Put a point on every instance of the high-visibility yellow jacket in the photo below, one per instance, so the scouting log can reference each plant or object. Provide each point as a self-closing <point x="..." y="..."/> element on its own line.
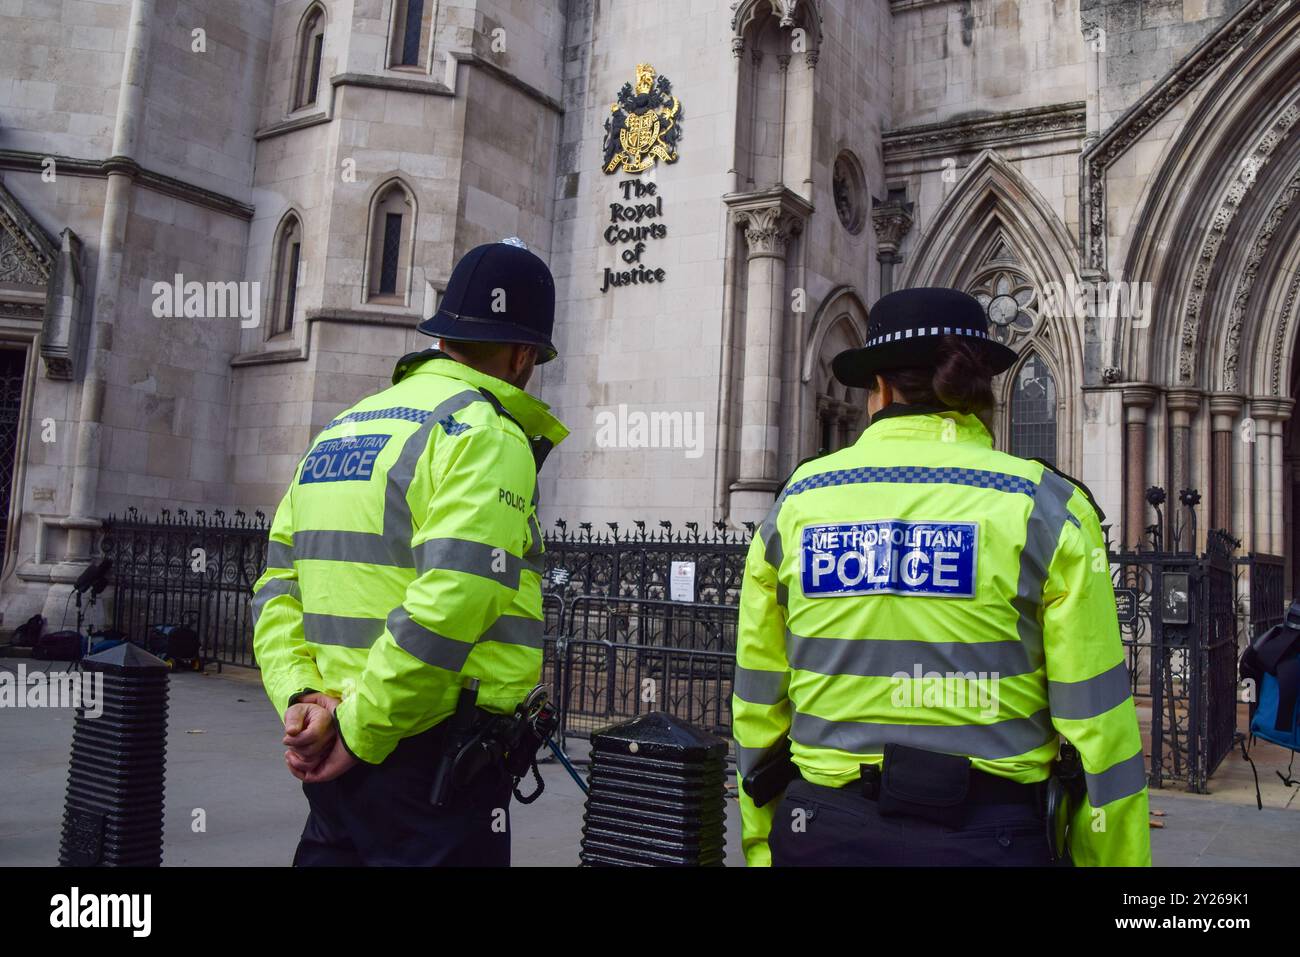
<point x="406" y="556"/>
<point x="923" y="589"/>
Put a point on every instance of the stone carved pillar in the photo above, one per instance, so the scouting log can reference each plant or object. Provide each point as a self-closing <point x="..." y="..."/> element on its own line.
<point x="771" y="219"/>
<point x="1278" y="490"/>
<point x="1138" y="400"/>
<point x="1224" y="410"/>
<point x="1268" y="413"/>
<point x="1183" y="405"/>
<point x="892" y="220"/>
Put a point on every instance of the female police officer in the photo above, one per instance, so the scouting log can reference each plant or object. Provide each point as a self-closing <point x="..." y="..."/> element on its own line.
<point x="922" y="619"/>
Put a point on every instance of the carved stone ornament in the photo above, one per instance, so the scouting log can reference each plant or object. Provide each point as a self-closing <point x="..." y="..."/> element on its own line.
<point x="33" y="261"/>
<point x="768" y="230"/>
<point x="1098" y="158"/>
<point x="21" y="261"/>
<point x="1246" y="282"/>
<point x="1283" y="335"/>
<point x="791" y="14"/>
<point x="892" y="220"/>
<point x="1224" y="214"/>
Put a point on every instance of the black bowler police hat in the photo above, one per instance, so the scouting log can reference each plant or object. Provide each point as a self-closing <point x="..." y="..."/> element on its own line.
<point x="904" y="329"/>
<point x="498" y="292"/>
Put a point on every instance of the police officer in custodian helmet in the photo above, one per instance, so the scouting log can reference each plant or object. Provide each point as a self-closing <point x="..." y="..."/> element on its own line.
<point x="927" y="627"/>
<point x="398" y="624"/>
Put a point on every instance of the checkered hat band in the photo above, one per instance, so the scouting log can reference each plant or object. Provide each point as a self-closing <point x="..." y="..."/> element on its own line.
<point x="927" y="331"/>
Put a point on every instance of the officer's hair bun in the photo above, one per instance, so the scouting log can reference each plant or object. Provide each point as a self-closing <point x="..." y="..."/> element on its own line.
<point x="961" y="379"/>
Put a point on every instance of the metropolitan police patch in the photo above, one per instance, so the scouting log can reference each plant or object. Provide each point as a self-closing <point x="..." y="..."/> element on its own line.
<point x="890" y="556"/>
<point x="350" y="459"/>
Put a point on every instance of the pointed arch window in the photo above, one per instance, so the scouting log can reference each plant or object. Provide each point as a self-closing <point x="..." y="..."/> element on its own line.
<point x="311" y="50"/>
<point x="839" y="418"/>
<point x="840" y="412"/>
<point x="286" y="270"/>
<point x="1033" y="410"/>
<point x="408" y="32"/>
<point x="392" y="230"/>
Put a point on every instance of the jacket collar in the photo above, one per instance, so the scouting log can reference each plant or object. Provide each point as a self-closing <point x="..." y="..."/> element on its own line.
<point x="919" y="420"/>
<point x="530" y="412"/>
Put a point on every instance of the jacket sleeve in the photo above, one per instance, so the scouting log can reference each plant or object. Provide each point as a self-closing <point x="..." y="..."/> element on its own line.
<point x="279" y="644"/>
<point x="760" y="707"/>
<point x="1090" y="697"/>
<point x="470" y="535"/>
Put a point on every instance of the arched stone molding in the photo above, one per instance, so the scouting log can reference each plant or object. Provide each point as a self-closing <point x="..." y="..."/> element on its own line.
<point x="1259" y="321"/>
<point x="1281" y="311"/>
<point x="991" y="189"/>
<point x="994" y="220"/>
<point x="842" y="303"/>
<point x="788" y="15"/>
<point x="777" y="43"/>
<point x="1209" y="174"/>
<point x="839" y="323"/>
<point x="1227" y="51"/>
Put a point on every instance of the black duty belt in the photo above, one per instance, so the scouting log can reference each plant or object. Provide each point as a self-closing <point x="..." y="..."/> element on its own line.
<point x="984" y="788"/>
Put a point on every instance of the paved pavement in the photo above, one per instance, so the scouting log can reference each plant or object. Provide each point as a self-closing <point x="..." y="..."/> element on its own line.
<point x="230" y="801"/>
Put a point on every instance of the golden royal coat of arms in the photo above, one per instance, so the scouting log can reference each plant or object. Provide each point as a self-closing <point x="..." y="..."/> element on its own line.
<point x="644" y="125"/>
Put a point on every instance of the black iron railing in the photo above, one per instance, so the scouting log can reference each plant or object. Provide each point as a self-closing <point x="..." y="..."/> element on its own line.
<point x="617" y="644"/>
<point x="1181" y="624"/>
<point x="1266" y="595"/>
<point x="637" y="562"/>
<point x="617" y="658"/>
<point x="194" y="569"/>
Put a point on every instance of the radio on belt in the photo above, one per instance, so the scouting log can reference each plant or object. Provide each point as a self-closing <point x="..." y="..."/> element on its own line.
<point x="890" y="556"/>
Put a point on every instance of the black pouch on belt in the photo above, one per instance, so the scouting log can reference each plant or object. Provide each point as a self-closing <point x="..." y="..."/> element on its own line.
<point x="924" y="784"/>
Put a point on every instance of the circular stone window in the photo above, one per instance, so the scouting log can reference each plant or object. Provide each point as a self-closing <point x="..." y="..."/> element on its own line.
<point x="849" y="190"/>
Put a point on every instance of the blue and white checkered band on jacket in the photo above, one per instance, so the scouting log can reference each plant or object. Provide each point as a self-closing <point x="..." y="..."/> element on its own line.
<point x="927" y="331"/>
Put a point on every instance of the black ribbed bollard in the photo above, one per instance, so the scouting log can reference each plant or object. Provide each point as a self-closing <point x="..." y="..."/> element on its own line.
<point x="114" y="811"/>
<point x="657" y="795"/>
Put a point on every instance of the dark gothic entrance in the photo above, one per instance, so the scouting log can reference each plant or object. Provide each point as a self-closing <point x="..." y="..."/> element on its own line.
<point x="13" y="364"/>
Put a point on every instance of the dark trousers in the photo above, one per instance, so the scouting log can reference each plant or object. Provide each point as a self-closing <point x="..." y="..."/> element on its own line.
<point x="821" y="826"/>
<point x="380" y="815"/>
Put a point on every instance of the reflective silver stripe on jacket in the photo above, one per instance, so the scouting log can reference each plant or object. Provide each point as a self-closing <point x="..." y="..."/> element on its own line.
<point x="278" y="554"/>
<point x="1117" y="781"/>
<point x="1077" y="700"/>
<point x="515" y="630"/>
<point x="1042" y="534"/>
<point x="761" y="687"/>
<point x="472" y="558"/>
<point x="534" y="557"/>
<point x="451" y="653"/>
<point x="771" y="536"/>
<point x="773" y="552"/>
<point x="748" y="758"/>
<point x="370" y="548"/>
<point x="884" y="658"/>
<point x="398" y="526"/>
<point x="1003" y="739"/>
<point x="274" y="588"/>
<point x="341" y="630"/>
<point x="428" y="646"/>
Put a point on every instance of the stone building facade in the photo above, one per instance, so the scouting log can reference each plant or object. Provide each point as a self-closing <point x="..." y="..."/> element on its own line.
<point x="220" y="223"/>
